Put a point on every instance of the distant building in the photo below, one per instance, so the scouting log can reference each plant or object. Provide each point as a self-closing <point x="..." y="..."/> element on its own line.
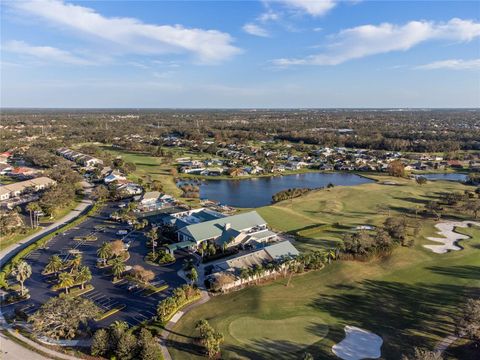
<point x="16" y="189"/>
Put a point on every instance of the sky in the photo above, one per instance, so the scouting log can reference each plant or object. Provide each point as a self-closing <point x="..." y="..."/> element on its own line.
<point x="240" y="54"/>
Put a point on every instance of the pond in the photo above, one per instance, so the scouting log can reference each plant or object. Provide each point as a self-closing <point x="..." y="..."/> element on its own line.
<point x="448" y="177"/>
<point x="249" y="193"/>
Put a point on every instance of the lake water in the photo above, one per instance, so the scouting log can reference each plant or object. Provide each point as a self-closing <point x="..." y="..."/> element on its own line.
<point x="257" y="192"/>
<point x="449" y="177"/>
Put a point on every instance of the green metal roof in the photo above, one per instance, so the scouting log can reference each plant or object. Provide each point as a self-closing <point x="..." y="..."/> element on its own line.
<point x="215" y="228"/>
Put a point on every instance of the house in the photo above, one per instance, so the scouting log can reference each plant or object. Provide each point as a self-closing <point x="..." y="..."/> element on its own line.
<point x="114" y="176"/>
<point x="231" y="230"/>
<point x="23" y="172"/>
<point x="16" y="189"/>
<point x="5" y="168"/>
<point x="130" y="189"/>
<point x="150" y="198"/>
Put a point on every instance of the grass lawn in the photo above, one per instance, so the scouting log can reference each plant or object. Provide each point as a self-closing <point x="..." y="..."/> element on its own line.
<point x="322" y="217"/>
<point x="409" y="299"/>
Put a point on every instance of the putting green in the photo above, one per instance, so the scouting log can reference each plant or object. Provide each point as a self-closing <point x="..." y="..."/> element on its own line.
<point x="302" y="331"/>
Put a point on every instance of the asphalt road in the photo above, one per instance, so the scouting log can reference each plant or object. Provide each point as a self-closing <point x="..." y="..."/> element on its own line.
<point x="106" y="294"/>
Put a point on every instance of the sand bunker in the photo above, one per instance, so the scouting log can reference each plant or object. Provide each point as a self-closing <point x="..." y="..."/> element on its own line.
<point x="358" y="344"/>
<point x="450" y="237"/>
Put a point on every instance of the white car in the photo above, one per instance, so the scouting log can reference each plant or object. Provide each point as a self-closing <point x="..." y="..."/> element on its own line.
<point x="122" y="232"/>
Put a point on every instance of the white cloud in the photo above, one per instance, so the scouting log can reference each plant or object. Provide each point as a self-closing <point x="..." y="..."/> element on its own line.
<point x="454" y="64"/>
<point x="132" y="35"/>
<point x="369" y="40"/>
<point x="46" y="53"/>
<point x="269" y="15"/>
<point x="256" y="30"/>
<point x="311" y="7"/>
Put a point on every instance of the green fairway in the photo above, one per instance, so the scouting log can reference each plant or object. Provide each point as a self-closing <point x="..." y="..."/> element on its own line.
<point x="409" y="299"/>
<point x="283" y="334"/>
<point x="320" y="218"/>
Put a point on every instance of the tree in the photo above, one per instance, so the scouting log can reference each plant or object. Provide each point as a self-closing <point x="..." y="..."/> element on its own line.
<point x="244" y="274"/>
<point x="54" y="265"/>
<point x="117" y="248"/>
<point x="149" y="349"/>
<point x="105" y="252"/>
<point x="152" y="234"/>
<point x="307" y="356"/>
<point x="65" y="281"/>
<point x="396" y="168"/>
<point x="83" y="276"/>
<point x="60" y="317"/>
<point x="473" y="205"/>
<point x="22" y="272"/>
<point x="118" y="268"/>
<point x="210" y="338"/>
<point x="193" y="275"/>
<point x="126" y="346"/>
<point x="421" y="180"/>
<point x="101" y="193"/>
<point x="75" y="263"/>
<point x="468" y="325"/>
<point x="33" y="208"/>
<point x="140" y="273"/>
<point x="422" y="354"/>
<point x="100" y="343"/>
<point x="117" y="328"/>
<point x="434" y="208"/>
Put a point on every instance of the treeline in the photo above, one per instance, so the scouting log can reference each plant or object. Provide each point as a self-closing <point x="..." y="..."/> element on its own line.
<point x="412" y="130"/>
<point x="294" y="193"/>
<point x="363" y="244"/>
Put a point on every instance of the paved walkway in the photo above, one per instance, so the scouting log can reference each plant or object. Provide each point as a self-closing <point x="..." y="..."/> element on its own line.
<point x="10" y="350"/>
<point x="166" y="332"/>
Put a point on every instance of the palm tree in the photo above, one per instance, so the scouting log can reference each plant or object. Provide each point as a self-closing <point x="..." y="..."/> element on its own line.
<point x="75" y="263"/>
<point x="54" y="265"/>
<point x="22" y="271"/>
<point x="244" y="275"/>
<point x="193" y="275"/>
<point x="118" y="267"/>
<point x="105" y="252"/>
<point x="188" y="264"/>
<point x="153" y="235"/>
<point x="33" y="208"/>
<point x="65" y="281"/>
<point x="83" y="275"/>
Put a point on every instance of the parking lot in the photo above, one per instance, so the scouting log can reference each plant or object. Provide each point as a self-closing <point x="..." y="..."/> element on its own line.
<point x="106" y="295"/>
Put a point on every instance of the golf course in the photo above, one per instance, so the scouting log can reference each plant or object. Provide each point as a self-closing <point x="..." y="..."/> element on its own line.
<point x="410" y="298"/>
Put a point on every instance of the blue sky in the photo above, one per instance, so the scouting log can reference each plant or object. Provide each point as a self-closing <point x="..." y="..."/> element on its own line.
<point x="201" y="54"/>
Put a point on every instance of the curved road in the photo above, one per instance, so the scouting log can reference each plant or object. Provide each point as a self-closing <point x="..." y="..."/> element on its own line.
<point x="9" y="349"/>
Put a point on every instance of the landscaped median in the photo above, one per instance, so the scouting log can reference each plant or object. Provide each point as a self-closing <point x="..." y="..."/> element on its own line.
<point x="110" y="312"/>
<point x="7" y="267"/>
<point x="150" y="290"/>
<point x="182" y="296"/>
